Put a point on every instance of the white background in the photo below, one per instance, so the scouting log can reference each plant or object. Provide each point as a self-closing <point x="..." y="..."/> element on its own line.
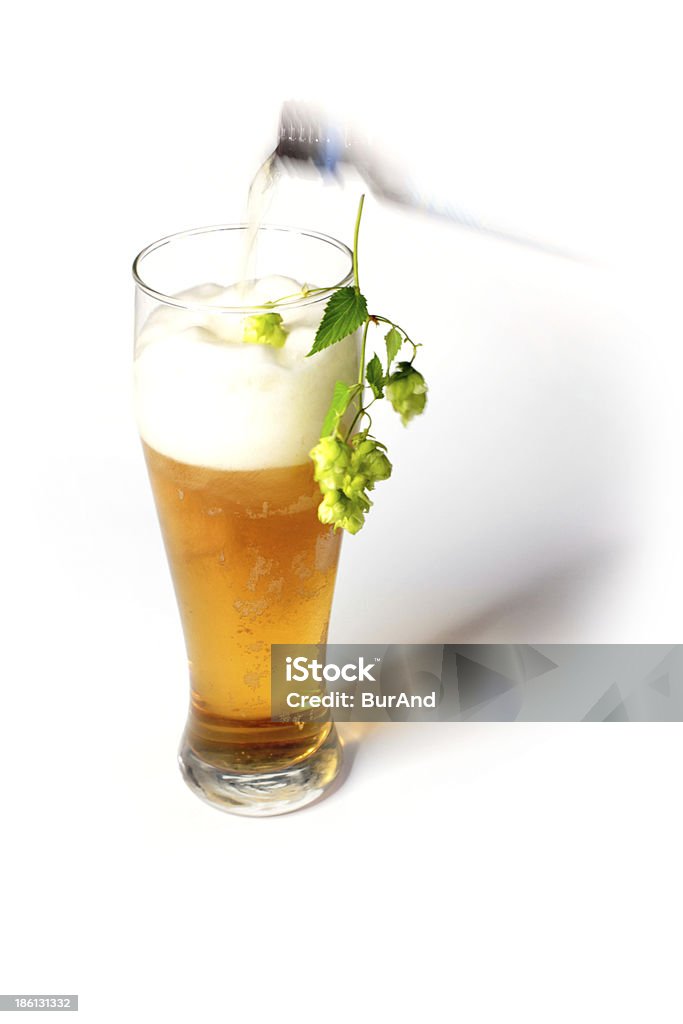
<point x="486" y="873"/>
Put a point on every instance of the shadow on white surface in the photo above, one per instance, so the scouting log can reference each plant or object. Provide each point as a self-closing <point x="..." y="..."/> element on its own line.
<point x="557" y="602"/>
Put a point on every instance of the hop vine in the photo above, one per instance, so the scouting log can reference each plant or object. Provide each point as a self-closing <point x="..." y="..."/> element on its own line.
<point x="348" y="460"/>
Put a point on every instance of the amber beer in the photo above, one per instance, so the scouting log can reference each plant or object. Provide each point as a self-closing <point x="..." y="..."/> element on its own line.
<point x="252" y="566"/>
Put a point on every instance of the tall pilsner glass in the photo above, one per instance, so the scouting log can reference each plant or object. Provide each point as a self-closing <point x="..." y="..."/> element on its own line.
<point x="226" y="426"/>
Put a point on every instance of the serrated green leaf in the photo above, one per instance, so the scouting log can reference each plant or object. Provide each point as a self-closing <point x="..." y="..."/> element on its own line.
<point x="375" y="376"/>
<point x="338" y="406"/>
<point x="345" y="311"/>
<point x="394" y="341"/>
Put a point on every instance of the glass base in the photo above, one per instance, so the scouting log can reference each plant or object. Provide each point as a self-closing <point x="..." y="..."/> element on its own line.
<point x="258" y="796"/>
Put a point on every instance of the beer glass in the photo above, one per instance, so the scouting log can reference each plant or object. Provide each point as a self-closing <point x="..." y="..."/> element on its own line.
<point x="226" y="427"/>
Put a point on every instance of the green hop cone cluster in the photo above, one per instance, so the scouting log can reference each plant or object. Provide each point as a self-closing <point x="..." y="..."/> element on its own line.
<point x="264" y="329"/>
<point x="345" y="472"/>
<point x="406" y="389"/>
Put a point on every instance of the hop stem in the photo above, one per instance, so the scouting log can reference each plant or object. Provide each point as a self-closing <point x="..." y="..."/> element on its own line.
<point x="355" y="243"/>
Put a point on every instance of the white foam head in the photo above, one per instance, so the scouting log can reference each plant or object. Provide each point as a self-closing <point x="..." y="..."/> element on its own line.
<point x="204" y="397"/>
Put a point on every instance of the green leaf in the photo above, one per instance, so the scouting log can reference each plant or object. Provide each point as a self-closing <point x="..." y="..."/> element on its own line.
<point x="345" y="311"/>
<point x="340" y="403"/>
<point x="394" y="341"/>
<point x="375" y="376"/>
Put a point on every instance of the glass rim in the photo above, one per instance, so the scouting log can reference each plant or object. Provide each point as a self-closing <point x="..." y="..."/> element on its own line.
<point x="172" y="300"/>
